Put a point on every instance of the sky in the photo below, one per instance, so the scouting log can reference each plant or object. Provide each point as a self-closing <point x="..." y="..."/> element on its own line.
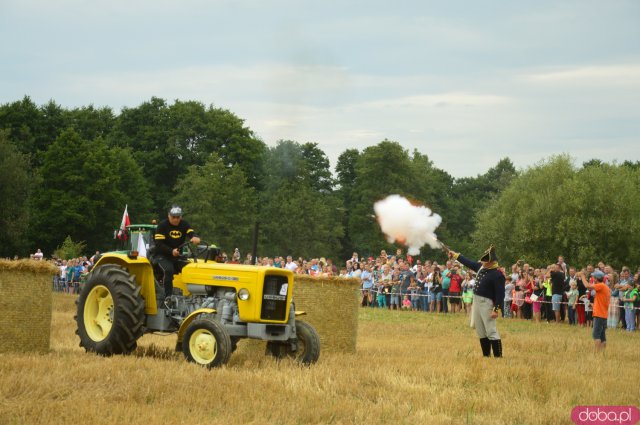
<point x="465" y="82"/>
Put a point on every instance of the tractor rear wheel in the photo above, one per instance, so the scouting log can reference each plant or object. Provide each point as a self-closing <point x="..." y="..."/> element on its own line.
<point x="110" y="311"/>
<point x="207" y="343"/>
<point x="308" y="345"/>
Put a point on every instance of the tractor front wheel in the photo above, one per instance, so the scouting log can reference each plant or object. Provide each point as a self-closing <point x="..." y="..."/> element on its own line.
<point x="110" y="311"/>
<point x="207" y="343"/>
<point x="308" y="345"/>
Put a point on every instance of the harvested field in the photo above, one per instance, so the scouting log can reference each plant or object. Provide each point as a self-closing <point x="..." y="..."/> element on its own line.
<point x="408" y="368"/>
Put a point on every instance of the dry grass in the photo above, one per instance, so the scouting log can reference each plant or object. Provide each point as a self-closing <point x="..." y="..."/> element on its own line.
<point x="25" y="319"/>
<point x="409" y="368"/>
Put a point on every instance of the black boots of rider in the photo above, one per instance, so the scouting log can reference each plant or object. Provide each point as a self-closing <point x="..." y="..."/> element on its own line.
<point x="489" y="344"/>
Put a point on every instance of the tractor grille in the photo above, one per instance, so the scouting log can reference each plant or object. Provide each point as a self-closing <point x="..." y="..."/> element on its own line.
<point x="274" y="298"/>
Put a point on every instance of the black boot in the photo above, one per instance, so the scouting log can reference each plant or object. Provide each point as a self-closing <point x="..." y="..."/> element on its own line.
<point x="496" y="344"/>
<point x="486" y="347"/>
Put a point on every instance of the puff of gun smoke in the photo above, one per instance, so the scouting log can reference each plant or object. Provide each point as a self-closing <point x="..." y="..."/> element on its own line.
<point x="411" y="225"/>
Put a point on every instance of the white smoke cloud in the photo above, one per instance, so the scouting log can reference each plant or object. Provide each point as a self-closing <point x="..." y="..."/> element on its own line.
<point x="410" y="225"/>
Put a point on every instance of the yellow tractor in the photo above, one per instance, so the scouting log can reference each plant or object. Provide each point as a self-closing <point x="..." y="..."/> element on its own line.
<point x="213" y="306"/>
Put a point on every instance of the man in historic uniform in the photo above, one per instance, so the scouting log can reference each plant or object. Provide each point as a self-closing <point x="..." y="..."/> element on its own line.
<point x="488" y="299"/>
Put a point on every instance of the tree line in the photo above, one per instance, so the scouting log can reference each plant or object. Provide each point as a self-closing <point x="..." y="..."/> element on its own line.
<point x="70" y="172"/>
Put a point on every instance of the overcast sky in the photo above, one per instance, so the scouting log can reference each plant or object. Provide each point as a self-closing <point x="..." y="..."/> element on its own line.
<point x="465" y="82"/>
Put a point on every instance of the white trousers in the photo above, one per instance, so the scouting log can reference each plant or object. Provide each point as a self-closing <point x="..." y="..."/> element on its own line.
<point x="481" y="318"/>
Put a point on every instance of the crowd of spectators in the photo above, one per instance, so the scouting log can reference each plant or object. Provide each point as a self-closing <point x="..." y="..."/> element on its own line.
<point x="553" y="293"/>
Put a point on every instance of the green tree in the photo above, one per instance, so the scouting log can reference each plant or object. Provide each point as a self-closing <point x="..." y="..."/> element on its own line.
<point x="219" y="203"/>
<point x="299" y="213"/>
<point x="345" y="180"/>
<point x="468" y="197"/>
<point x="82" y="192"/>
<point x="317" y="166"/>
<point x="554" y="209"/>
<point x="167" y="139"/>
<point x="24" y="122"/>
<point x="16" y="185"/>
<point x="432" y="187"/>
<point x="381" y="170"/>
<point x="70" y="249"/>
<point x="91" y="123"/>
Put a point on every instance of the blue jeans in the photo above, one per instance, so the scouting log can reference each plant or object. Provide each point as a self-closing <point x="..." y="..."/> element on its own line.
<point x="630" y="318"/>
<point x="600" y="329"/>
<point x="572" y="316"/>
<point x="445" y="300"/>
<point x="424" y="299"/>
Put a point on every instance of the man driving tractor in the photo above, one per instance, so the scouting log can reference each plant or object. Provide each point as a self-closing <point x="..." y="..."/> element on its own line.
<point x="170" y="234"/>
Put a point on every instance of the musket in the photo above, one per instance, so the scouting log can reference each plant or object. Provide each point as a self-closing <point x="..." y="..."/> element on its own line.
<point x="444" y="247"/>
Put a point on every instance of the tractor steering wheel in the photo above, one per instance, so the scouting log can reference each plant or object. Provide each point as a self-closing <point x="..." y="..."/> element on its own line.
<point x="193" y="253"/>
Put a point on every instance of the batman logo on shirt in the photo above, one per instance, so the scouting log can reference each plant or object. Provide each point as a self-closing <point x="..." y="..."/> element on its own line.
<point x="175" y="234"/>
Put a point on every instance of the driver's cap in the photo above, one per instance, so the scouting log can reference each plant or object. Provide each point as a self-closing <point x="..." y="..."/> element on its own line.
<point x="175" y="211"/>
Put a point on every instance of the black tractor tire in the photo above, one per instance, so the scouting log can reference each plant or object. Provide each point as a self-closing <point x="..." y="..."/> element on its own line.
<point x="234" y="343"/>
<point x="110" y="311"/>
<point x="207" y="343"/>
<point x="308" y="351"/>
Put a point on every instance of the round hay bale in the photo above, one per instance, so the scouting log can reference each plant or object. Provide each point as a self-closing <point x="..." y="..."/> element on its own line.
<point x="25" y="322"/>
<point x="331" y="305"/>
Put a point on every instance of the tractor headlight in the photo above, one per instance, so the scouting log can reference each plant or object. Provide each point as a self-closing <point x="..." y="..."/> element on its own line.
<point x="243" y="294"/>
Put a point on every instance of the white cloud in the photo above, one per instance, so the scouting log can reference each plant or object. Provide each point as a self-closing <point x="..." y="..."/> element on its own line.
<point x="452" y="99"/>
<point x="618" y="74"/>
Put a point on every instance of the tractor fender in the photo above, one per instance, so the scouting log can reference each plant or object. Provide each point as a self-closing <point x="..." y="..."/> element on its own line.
<point x="190" y="318"/>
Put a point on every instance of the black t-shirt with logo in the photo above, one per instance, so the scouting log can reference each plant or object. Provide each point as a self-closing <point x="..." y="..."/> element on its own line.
<point x="168" y="237"/>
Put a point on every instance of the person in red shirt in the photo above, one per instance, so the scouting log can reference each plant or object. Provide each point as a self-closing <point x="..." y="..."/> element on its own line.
<point x="600" y="309"/>
<point x="455" y="289"/>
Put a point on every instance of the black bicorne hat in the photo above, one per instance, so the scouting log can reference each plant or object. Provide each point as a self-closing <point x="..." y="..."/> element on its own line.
<point x="489" y="255"/>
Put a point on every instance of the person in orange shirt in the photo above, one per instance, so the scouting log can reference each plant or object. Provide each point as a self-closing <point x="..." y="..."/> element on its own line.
<point x="600" y="309"/>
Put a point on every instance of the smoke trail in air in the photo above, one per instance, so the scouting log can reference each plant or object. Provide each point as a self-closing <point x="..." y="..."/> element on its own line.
<point x="413" y="226"/>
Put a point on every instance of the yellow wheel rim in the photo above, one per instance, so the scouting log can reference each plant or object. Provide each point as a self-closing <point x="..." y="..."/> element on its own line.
<point x="98" y="313"/>
<point x="203" y="346"/>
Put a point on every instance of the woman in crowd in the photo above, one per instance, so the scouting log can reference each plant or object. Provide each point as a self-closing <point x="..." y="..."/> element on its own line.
<point x="467" y="291"/>
<point x="436" y="291"/>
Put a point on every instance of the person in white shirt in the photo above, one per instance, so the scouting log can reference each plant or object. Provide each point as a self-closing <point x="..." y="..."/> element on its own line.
<point x="290" y="264"/>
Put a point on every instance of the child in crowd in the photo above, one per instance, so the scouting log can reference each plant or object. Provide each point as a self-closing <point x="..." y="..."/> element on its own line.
<point x="572" y="299"/>
<point x="508" y="298"/>
<point x="395" y="293"/>
<point x="406" y="303"/>
<point x="414" y="292"/>
<point x="382" y="300"/>
<point x="585" y="299"/>
<point x="467" y="291"/>
<point x="629" y="298"/>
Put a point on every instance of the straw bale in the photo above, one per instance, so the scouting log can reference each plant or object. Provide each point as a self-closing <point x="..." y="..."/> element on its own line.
<point x="331" y="305"/>
<point x="25" y="305"/>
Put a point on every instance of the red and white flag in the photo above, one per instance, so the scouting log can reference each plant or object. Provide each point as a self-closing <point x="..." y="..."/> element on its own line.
<point x="122" y="231"/>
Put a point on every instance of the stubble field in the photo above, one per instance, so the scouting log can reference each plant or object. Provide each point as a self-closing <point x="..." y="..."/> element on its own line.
<point x="410" y="368"/>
